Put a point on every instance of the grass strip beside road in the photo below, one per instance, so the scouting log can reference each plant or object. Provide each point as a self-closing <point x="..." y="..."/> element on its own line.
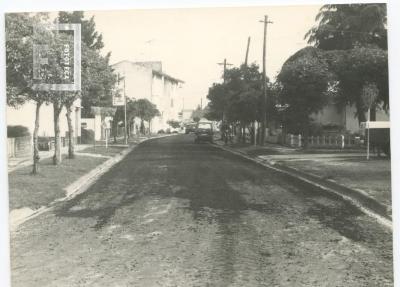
<point x="34" y="191"/>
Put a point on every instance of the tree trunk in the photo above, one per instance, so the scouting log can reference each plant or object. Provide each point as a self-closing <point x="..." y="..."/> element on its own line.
<point x="360" y="111"/>
<point x="57" y="106"/>
<point x="36" y="157"/>
<point x="71" y="143"/>
<point x="253" y="133"/>
<point x="305" y="133"/>
<point x="373" y="113"/>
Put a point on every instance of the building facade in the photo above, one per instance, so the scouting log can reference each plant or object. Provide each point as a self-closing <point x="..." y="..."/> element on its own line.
<point x="146" y="80"/>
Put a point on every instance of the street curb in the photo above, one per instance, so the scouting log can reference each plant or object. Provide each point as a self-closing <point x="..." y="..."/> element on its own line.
<point x="79" y="186"/>
<point x="366" y="204"/>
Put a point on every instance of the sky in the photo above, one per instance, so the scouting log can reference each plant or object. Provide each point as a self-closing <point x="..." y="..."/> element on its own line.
<point x="190" y="42"/>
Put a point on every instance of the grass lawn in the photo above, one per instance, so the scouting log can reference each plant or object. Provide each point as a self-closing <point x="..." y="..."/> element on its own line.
<point x="373" y="176"/>
<point x="34" y="191"/>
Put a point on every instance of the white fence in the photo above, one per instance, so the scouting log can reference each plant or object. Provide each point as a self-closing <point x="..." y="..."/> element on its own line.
<point x="324" y="141"/>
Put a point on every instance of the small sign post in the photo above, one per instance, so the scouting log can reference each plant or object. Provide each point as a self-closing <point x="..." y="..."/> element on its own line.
<point x="369" y="95"/>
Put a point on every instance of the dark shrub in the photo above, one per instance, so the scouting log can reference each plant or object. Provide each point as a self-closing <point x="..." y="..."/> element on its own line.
<point x="17" y="131"/>
<point x="87" y="136"/>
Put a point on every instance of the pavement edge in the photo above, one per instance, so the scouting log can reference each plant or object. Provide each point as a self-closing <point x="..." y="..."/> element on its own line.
<point x="366" y="204"/>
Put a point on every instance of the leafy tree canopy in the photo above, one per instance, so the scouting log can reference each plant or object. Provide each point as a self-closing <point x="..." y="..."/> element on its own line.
<point x="98" y="79"/>
<point x="91" y="38"/>
<point x="311" y="76"/>
<point x="239" y="98"/>
<point x="304" y="79"/>
<point x="347" y="26"/>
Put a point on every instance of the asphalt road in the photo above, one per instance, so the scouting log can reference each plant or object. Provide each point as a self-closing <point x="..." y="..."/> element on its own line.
<point x="175" y="213"/>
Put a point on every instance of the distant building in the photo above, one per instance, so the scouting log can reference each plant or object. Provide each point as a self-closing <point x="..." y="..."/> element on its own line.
<point x="146" y="80"/>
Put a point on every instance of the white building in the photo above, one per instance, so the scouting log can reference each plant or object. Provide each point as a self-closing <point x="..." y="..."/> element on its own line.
<point x="146" y="80"/>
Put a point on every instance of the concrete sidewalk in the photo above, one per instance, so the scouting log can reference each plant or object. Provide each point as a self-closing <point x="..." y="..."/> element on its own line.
<point x="347" y="172"/>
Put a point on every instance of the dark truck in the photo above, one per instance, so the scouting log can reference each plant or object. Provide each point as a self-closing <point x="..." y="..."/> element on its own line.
<point x="379" y="136"/>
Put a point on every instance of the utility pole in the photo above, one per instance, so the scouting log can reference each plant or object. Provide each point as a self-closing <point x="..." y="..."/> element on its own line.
<point x="247" y="51"/>
<point x="224" y="77"/>
<point x="225" y="64"/>
<point x="264" y="78"/>
<point x="125" y="131"/>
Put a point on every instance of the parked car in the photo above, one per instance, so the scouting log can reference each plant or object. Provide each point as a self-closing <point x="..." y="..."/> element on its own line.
<point x="45" y="143"/>
<point x="204" y="132"/>
<point x="190" y="128"/>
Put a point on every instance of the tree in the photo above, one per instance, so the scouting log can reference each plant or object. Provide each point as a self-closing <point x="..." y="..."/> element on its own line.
<point x="353" y="70"/>
<point x="355" y="36"/>
<point x="218" y="100"/>
<point x="198" y="114"/>
<point x="238" y="101"/>
<point x="92" y="39"/>
<point x="305" y="80"/>
<point x="98" y="79"/>
<point x="19" y="66"/>
<point x="344" y="73"/>
<point x="145" y="110"/>
<point x="347" y="26"/>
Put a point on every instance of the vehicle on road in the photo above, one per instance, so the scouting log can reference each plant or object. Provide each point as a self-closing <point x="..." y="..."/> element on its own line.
<point x="190" y="128"/>
<point x="204" y="132"/>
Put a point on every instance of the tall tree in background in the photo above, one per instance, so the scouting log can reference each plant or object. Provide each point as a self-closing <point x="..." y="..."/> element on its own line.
<point x="98" y="79"/>
<point x="146" y="111"/>
<point x="19" y="66"/>
<point x="347" y="26"/>
<point x="198" y="114"/>
<point x="353" y="69"/>
<point x="239" y="99"/>
<point x="305" y="80"/>
<point x="92" y="39"/>
<point x="361" y="31"/>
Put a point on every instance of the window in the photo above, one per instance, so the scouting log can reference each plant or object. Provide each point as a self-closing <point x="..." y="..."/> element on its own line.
<point x="204" y="126"/>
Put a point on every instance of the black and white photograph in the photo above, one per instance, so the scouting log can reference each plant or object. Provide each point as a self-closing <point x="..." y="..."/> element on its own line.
<point x="199" y="146"/>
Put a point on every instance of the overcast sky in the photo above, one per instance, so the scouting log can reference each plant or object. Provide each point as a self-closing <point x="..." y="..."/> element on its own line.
<point x="190" y="42"/>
